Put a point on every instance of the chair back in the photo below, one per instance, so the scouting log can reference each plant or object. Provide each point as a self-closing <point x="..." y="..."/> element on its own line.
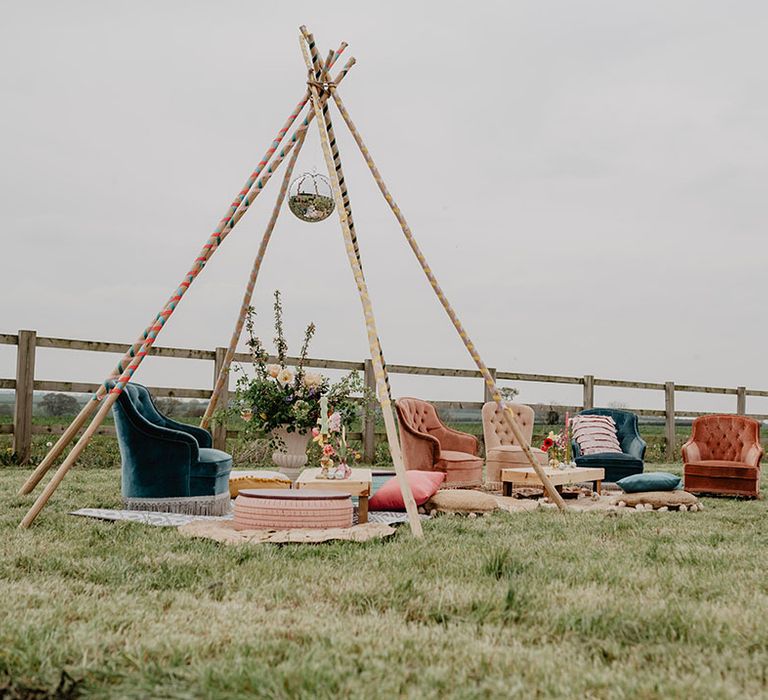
<point x="496" y="432"/>
<point x="418" y="416"/>
<point x="725" y="437"/>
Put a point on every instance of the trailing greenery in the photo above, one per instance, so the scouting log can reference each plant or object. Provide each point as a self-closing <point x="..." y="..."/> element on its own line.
<point x="529" y="605"/>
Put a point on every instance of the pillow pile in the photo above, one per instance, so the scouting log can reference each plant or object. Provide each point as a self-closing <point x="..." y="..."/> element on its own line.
<point x="595" y="434"/>
<point x="423" y="484"/>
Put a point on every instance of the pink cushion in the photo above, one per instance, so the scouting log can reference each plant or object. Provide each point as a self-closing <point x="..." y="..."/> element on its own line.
<point x="424" y="485"/>
<point x="595" y="434"/>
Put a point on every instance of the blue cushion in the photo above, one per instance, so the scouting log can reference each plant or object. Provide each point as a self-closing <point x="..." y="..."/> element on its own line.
<point x="650" y="481"/>
<point x="212" y="462"/>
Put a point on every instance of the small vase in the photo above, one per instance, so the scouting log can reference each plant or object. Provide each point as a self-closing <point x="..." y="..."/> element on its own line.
<point x="292" y="457"/>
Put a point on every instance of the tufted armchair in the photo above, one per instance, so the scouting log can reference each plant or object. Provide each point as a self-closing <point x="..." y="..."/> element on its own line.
<point x="167" y="466"/>
<point x="723" y="456"/>
<point x="616" y="466"/>
<point x="502" y="451"/>
<point x="429" y="445"/>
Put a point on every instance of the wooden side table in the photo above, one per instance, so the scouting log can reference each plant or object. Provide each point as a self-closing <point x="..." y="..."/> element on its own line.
<point x="359" y="484"/>
<point x="526" y="476"/>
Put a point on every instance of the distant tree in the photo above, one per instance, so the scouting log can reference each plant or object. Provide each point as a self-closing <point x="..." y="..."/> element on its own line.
<point x="620" y="405"/>
<point x="55" y="404"/>
<point x="196" y="408"/>
<point x="169" y="405"/>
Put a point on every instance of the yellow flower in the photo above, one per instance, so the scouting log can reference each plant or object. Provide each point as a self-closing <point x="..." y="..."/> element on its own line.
<point x="273" y="370"/>
<point x="284" y="376"/>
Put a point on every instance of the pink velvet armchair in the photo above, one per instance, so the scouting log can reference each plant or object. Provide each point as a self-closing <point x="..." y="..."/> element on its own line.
<point x="723" y="456"/>
<point x="429" y="445"/>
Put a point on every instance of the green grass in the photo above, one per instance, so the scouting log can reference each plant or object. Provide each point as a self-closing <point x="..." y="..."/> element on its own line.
<point x="527" y="605"/>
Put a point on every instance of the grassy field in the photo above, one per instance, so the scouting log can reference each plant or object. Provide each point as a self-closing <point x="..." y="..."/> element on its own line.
<point x="527" y="605"/>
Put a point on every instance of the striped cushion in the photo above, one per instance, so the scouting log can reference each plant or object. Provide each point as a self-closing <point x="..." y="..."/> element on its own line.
<point x="595" y="434"/>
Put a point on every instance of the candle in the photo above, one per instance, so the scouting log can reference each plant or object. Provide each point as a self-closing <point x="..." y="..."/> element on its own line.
<point x="567" y="438"/>
<point x="324" y="415"/>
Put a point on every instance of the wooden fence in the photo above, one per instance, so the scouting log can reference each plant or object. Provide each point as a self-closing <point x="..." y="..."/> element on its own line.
<point x="25" y="384"/>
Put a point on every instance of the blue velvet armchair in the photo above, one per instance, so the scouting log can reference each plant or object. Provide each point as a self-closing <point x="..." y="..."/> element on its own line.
<point x="166" y="465"/>
<point x="616" y="465"/>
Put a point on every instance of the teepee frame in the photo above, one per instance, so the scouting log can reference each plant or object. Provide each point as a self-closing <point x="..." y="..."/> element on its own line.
<point x="320" y="90"/>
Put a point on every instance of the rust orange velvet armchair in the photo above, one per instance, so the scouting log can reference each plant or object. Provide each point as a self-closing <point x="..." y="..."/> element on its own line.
<point x="723" y="456"/>
<point x="429" y="445"/>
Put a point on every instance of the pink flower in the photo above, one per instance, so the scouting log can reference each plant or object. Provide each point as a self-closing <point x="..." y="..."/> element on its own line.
<point x="328" y="450"/>
<point x="315" y="432"/>
<point x="334" y="422"/>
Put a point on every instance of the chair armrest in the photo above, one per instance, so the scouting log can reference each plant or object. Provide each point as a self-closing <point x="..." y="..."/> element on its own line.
<point x="691" y="452"/>
<point x="753" y="454"/>
<point x="457" y="441"/>
<point x="575" y="449"/>
<point x="636" y="447"/>
<point x="201" y="435"/>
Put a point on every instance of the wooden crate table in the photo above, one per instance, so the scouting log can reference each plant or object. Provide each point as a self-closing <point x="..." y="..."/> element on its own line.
<point x="526" y="476"/>
<point x="359" y="484"/>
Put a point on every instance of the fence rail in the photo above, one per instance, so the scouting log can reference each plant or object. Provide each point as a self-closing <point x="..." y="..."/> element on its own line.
<point x="24" y="384"/>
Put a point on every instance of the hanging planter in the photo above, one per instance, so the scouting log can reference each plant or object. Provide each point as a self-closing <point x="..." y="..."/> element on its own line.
<point x="310" y="198"/>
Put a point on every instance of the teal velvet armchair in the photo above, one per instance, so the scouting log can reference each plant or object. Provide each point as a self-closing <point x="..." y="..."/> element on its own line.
<point x="616" y="465"/>
<point x="166" y="465"/>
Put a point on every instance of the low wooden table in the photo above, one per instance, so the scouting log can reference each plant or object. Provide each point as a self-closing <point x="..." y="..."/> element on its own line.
<point x="526" y="476"/>
<point x="359" y="484"/>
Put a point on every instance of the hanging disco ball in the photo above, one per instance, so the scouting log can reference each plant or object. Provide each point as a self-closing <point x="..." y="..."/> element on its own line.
<point x="310" y="197"/>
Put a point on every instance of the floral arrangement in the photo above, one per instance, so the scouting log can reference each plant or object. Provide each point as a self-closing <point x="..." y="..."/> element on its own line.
<point x="558" y="445"/>
<point x="331" y="438"/>
<point x="275" y="395"/>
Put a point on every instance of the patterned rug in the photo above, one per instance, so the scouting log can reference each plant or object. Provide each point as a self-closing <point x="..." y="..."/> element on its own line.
<point x="179" y="519"/>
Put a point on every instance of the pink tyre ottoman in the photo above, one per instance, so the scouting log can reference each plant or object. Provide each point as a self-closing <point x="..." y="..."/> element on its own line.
<point x="284" y="509"/>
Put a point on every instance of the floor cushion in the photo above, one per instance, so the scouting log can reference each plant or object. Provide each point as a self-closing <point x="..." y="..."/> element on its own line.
<point x="657" y="499"/>
<point x="256" y="479"/>
<point x="461" y="501"/>
<point x="423" y="485"/>
<point x="650" y="481"/>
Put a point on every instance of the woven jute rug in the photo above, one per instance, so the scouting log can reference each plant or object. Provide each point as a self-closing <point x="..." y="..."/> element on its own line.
<point x="224" y="531"/>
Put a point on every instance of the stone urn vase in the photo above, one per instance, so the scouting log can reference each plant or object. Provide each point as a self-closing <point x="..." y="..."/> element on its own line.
<point x="292" y="456"/>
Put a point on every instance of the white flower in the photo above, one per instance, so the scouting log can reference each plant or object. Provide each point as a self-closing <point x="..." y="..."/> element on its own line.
<point x="49" y="444"/>
<point x="273" y="370"/>
<point x="284" y="376"/>
<point x="312" y="380"/>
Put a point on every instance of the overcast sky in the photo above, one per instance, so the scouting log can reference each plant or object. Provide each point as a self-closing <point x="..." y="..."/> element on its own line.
<point x="587" y="180"/>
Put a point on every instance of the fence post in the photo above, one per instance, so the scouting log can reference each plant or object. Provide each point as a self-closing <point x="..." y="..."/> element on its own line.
<point x="219" y="428"/>
<point x="741" y="400"/>
<point x="589" y="391"/>
<point x="369" y="415"/>
<point x="669" y="431"/>
<point x="487" y="396"/>
<point x="25" y="386"/>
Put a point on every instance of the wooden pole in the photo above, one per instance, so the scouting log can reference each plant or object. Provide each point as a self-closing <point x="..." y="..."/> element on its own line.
<point x="24" y="397"/>
<point x="61" y="472"/>
<point x="741" y="400"/>
<point x="219" y="432"/>
<point x="235" y="339"/>
<point x="669" y="409"/>
<point x="369" y="416"/>
<point x="589" y="391"/>
<point x="487" y="393"/>
<point x="362" y="287"/>
<point x="507" y="413"/>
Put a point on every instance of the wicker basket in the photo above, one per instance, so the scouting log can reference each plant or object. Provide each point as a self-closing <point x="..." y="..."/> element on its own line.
<point x="284" y="509"/>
